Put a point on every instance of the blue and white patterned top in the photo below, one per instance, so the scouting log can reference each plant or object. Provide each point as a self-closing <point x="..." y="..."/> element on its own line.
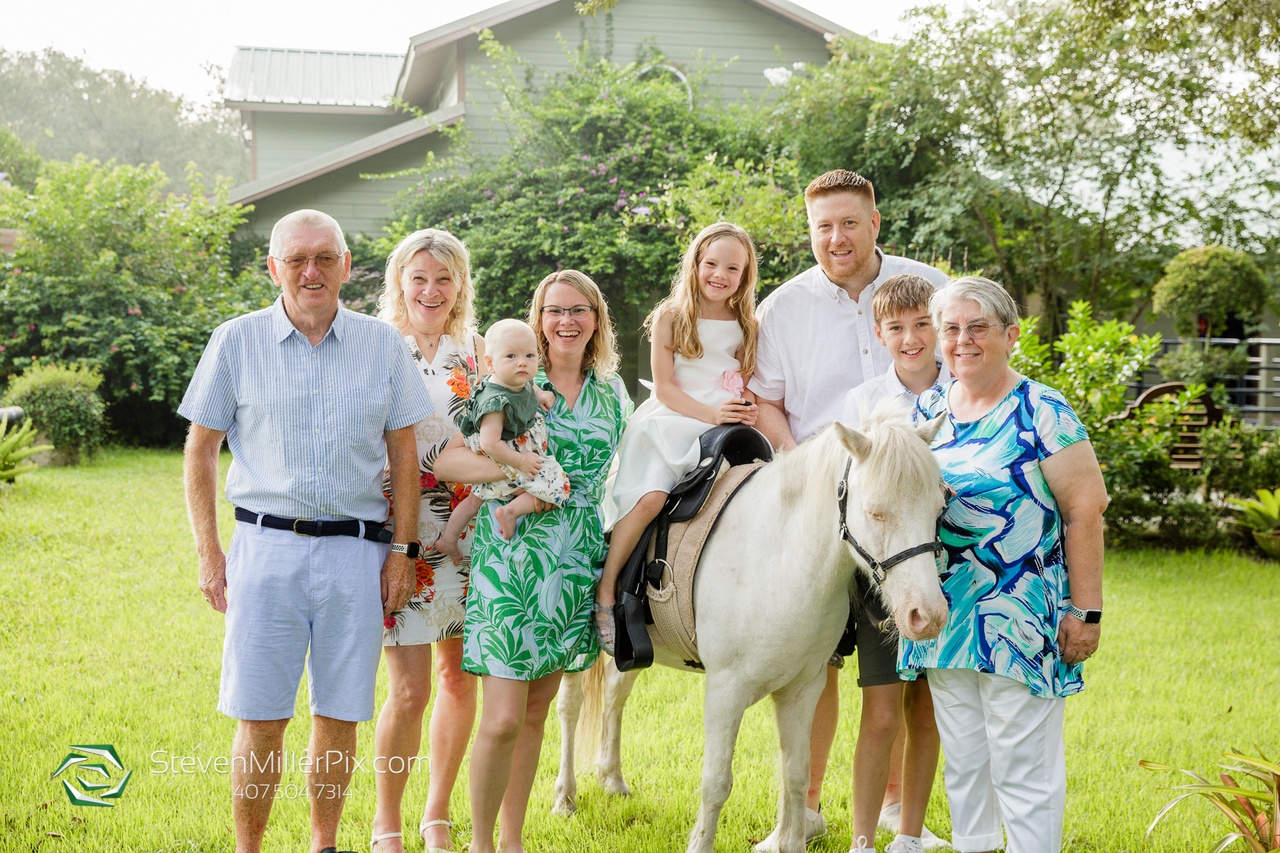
<point x="1005" y="579"/>
<point x="305" y="423"/>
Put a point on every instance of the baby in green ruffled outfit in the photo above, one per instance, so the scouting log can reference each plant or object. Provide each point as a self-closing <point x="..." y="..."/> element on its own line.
<point x="503" y="420"/>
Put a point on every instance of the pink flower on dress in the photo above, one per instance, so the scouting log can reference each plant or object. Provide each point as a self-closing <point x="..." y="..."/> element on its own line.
<point x="731" y="381"/>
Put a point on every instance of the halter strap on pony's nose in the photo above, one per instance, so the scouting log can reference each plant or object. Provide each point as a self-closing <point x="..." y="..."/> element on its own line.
<point x="880" y="568"/>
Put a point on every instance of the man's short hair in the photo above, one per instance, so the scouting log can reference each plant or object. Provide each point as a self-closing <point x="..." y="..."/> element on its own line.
<point x="840" y="181"/>
<point x="900" y="294"/>
<point x="305" y="218"/>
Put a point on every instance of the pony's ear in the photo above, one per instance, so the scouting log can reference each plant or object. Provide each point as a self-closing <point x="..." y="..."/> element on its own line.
<point x="855" y="442"/>
<point x="930" y="428"/>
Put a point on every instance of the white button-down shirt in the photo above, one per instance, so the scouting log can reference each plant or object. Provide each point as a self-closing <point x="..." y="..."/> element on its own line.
<point x="816" y="344"/>
<point x="862" y="401"/>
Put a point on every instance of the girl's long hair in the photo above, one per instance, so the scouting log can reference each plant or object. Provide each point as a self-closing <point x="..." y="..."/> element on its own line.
<point x="685" y="300"/>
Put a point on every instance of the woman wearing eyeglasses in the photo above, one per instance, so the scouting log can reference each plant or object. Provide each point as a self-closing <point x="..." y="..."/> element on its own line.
<point x="1023" y="536"/>
<point x="529" y="607"/>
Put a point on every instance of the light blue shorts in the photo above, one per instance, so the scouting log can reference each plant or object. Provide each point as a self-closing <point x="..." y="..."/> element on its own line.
<point x="287" y="594"/>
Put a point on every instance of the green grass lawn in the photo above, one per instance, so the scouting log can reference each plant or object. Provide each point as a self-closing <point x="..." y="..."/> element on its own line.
<point x="106" y="640"/>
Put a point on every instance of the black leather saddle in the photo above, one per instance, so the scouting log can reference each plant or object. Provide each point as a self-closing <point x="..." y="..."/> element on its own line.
<point x="732" y="443"/>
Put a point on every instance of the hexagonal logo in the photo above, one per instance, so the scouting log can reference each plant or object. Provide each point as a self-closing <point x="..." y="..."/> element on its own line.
<point x="93" y="775"/>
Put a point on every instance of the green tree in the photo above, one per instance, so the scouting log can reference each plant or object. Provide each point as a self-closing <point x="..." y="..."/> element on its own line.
<point x="115" y="273"/>
<point x="1061" y="147"/>
<point x="873" y="109"/>
<point x="1206" y="291"/>
<point x="1212" y="285"/>
<point x="591" y="149"/>
<point x="19" y="162"/>
<point x="1241" y="39"/>
<point x="62" y="107"/>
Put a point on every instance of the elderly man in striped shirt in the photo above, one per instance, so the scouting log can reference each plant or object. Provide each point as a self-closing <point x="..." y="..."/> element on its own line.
<point x="313" y="401"/>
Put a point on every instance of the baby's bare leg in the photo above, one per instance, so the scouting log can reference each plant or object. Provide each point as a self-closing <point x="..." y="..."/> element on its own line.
<point x="509" y="514"/>
<point x="461" y="516"/>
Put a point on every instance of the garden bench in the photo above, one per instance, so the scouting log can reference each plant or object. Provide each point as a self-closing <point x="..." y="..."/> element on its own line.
<point x="1203" y="412"/>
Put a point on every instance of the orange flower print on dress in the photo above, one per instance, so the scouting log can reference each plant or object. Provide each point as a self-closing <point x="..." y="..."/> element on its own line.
<point x="459" y="384"/>
<point x="460" y="492"/>
<point x="522" y="439"/>
<point x="426" y="579"/>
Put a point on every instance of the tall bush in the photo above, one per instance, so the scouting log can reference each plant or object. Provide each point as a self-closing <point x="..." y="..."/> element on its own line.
<point x="1205" y="291"/>
<point x="1096" y="360"/>
<point x="114" y="273"/>
<point x="63" y="403"/>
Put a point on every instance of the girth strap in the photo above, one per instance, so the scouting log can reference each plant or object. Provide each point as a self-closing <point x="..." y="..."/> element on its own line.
<point x="671" y="598"/>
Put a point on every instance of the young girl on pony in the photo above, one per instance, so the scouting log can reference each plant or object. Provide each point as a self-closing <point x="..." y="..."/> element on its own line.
<point x="704" y="350"/>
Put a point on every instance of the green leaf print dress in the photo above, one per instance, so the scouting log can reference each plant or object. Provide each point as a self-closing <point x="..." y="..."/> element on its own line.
<point x="529" y="605"/>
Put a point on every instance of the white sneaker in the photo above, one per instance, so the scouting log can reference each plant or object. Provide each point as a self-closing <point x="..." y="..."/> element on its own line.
<point x="815" y="826"/>
<point x="860" y="845"/>
<point x="929" y="841"/>
<point x="890" y="818"/>
<point x="903" y="844"/>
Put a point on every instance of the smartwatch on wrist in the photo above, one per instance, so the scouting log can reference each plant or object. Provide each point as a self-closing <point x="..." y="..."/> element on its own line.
<point x="1088" y="617"/>
<point x="410" y="549"/>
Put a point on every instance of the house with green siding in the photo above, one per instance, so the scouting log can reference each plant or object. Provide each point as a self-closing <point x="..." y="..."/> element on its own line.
<point x="319" y="123"/>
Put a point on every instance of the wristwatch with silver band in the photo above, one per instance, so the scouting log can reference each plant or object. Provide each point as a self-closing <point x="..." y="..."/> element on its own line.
<point x="410" y="549"/>
<point x="1089" y="617"/>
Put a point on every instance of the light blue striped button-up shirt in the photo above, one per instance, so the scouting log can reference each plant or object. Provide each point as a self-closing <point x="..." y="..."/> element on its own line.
<point x="305" y="424"/>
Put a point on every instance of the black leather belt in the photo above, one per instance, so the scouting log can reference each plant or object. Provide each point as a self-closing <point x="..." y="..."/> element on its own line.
<point x="374" y="531"/>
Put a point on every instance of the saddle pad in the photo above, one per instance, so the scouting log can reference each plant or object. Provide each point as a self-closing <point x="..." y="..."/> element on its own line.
<point x="671" y="603"/>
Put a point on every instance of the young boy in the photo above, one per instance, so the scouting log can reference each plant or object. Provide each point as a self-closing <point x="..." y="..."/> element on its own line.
<point x="904" y="326"/>
<point x="887" y="753"/>
<point x="502" y="420"/>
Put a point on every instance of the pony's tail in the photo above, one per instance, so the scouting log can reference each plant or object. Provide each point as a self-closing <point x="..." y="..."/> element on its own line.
<point x="587" y="738"/>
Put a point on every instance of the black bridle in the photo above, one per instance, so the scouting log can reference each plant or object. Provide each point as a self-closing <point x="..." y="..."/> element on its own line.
<point x="880" y="568"/>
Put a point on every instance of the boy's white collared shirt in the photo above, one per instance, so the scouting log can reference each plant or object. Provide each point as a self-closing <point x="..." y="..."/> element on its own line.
<point x="862" y="401"/>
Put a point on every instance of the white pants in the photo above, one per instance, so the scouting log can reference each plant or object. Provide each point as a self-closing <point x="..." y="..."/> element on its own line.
<point x="1005" y="758"/>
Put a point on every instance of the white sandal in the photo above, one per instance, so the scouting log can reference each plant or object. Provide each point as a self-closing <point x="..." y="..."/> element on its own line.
<point x="373" y="842"/>
<point x="422" y="833"/>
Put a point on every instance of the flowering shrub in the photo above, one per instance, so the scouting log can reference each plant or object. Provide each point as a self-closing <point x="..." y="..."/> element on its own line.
<point x="113" y="273"/>
<point x="590" y="149"/>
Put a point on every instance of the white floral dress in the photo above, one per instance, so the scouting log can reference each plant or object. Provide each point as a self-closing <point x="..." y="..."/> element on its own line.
<point x="438" y="606"/>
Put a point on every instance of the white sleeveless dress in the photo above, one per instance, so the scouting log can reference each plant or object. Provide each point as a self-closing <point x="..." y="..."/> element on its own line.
<point x="660" y="446"/>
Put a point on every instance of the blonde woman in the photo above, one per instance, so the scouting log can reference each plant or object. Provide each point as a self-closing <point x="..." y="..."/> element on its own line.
<point x="427" y="295"/>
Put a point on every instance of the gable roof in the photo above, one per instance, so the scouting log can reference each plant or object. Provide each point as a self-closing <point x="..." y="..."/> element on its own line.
<point x="261" y="77"/>
<point x="353" y="152"/>
<point x="429" y="50"/>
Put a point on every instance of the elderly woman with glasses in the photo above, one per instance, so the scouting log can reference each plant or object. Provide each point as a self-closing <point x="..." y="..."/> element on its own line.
<point x="1023" y="578"/>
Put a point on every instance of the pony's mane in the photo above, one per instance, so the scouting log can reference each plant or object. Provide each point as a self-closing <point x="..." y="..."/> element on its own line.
<point x="899" y="461"/>
<point x="896" y="466"/>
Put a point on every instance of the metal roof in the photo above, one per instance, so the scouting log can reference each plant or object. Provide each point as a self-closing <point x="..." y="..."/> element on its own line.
<point x="273" y="75"/>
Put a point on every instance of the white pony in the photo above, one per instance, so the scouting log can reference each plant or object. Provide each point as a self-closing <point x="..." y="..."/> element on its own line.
<point x="771" y="599"/>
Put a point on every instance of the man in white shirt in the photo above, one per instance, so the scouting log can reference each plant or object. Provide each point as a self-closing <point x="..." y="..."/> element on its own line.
<point x="817" y="342"/>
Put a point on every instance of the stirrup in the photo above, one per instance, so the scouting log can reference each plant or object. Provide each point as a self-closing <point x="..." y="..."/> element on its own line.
<point x="633" y="647"/>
